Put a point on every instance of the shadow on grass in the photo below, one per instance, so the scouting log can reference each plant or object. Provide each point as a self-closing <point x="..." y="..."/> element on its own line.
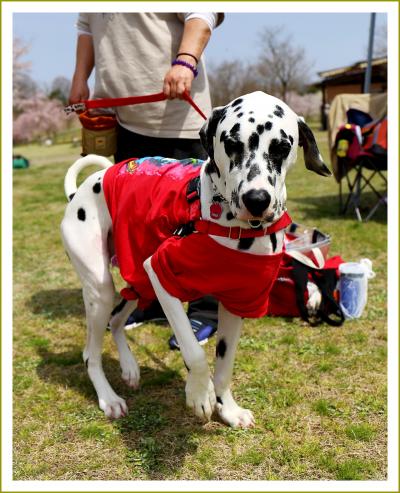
<point x="57" y="303"/>
<point x="159" y="431"/>
<point x="317" y="207"/>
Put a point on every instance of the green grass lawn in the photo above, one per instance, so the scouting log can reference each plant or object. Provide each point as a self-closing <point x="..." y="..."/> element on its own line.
<point x="318" y="394"/>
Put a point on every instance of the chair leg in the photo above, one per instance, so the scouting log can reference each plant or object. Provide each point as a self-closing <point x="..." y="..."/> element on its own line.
<point x="357" y="186"/>
<point x="355" y="193"/>
<point x="382" y="200"/>
<point x="349" y="199"/>
<point x="358" y="196"/>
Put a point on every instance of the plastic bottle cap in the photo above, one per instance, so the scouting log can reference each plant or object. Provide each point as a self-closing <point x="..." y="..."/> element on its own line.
<point x="353" y="269"/>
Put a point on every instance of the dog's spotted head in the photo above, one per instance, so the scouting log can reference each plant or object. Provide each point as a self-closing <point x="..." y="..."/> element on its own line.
<point x="251" y="143"/>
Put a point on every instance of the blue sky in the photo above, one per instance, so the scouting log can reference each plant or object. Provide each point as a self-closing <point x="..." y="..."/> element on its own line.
<point x="330" y="40"/>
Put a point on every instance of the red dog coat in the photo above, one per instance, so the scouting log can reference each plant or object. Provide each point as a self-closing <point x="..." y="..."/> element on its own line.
<point x="147" y="200"/>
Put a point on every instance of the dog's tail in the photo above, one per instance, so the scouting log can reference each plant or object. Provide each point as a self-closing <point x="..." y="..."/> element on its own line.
<point x="70" y="186"/>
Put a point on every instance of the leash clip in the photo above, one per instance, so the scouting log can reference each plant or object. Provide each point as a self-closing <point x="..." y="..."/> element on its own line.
<point x="76" y="107"/>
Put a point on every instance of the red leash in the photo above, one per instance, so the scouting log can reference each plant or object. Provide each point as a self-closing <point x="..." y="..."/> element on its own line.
<point x="113" y="102"/>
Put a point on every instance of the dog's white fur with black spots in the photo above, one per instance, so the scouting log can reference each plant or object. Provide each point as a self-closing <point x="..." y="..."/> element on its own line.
<point x="251" y="144"/>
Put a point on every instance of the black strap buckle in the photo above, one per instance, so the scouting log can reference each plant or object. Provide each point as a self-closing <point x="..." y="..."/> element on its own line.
<point x="193" y="190"/>
<point x="192" y="194"/>
<point x="185" y="229"/>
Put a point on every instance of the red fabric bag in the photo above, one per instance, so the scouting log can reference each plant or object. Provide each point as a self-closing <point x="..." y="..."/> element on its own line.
<point x="283" y="298"/>
<point x="289" y="294"/>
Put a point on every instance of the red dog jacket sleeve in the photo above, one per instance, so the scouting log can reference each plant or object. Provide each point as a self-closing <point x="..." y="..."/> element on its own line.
<point x="191" y="267"/>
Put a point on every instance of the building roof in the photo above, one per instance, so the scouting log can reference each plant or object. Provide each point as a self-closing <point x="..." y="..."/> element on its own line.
<point x="354" y="69"/>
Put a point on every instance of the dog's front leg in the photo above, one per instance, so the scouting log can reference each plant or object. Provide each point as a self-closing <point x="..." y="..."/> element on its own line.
<point x="130" y="368"/>
<point x="229" y="327"/>
<point x="200" y="395"/>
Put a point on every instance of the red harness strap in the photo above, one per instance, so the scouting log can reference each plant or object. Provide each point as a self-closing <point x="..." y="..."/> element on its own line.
<point x="113" y="102"/>
<point x="235" y="232"/>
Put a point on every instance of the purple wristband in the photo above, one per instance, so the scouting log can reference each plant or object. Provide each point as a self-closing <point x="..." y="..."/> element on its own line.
<point x="187" y="65"/>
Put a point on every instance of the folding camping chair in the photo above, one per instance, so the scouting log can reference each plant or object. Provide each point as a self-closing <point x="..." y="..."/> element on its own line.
<point x="366" y="168"/>
<point x="361" y="146"/>
<point x="365" y="150"/>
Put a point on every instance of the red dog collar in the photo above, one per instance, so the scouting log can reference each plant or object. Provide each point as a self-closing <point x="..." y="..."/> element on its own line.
<point x="235" y="232"/>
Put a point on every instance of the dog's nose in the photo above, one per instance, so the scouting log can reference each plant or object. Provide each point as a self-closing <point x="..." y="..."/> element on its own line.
<point x="256" y="201"/>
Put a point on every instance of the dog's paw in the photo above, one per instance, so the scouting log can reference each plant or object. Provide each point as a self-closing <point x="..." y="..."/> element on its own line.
<point x="200" y="396"/>
<point x="234" y="415"/>
<point x="131" y="379"/>
<point x="114" y="407"/>
<point x="237" y="417"/>
<point x="131" y="373"/>
<point x="314" y="298"/>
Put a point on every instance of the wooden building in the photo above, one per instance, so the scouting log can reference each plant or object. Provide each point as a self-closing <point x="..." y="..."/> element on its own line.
<point x="350" y="80"/>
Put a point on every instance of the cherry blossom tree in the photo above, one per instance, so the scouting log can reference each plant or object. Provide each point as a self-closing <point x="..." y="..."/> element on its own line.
<point x="41" y="118"/>
<point x="306" y="105"/>
<point x="36" y="117"/>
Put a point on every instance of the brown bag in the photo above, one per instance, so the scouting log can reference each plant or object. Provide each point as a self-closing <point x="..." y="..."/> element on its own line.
<point x="99" y="134"/>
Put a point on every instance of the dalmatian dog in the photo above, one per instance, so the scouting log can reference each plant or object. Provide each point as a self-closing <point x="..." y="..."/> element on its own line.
<point x="251" y="143"/>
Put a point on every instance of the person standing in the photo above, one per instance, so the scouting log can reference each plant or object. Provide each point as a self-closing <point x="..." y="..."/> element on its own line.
<point x="135" y="54"/>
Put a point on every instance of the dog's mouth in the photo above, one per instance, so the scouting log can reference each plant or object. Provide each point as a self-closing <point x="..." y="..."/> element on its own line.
<point x="256" y="222"/>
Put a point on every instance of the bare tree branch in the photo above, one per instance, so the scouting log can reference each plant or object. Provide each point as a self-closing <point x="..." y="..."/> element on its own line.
<point x="283" y="65"/>
<point x="380" y="48"/>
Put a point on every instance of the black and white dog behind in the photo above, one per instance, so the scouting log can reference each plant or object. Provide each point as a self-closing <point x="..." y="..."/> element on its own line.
<point x="251" y="143"/>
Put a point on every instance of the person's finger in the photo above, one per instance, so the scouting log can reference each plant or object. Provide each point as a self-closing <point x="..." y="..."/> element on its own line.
<point x="180" y="88"/>
<point x="167" y="88"/>
<point x="173" y="89"/>
<point x="171" y="94"/>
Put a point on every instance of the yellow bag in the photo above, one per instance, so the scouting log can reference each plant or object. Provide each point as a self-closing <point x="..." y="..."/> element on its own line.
<point x="99" y="134"/>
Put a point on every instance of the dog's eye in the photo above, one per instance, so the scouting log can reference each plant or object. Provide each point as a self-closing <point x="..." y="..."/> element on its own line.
<point x="278" y="151"/>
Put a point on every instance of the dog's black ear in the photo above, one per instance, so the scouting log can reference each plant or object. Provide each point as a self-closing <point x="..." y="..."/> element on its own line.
<point x="312" y="156"/>
<point x="208" y="130"/>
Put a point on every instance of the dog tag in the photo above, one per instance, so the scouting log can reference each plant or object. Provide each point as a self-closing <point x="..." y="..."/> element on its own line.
<point x="215" y="210"/>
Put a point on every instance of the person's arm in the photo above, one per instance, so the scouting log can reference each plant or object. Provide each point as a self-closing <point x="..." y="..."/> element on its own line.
<point x="83" y="68"/>
<point x="195" y="37"/>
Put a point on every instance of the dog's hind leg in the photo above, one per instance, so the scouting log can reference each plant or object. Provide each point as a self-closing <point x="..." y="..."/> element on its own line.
<point x="229" y="327"/>
<point x="98" y="296"/>
<point x="129" y="366"/>
<point x="98" y="301"/>
<point x="84" y="231"/>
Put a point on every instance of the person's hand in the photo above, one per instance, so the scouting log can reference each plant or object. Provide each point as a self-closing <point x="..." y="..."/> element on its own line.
<point x="177" y="80"/>
<point x="79" y="91"/>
